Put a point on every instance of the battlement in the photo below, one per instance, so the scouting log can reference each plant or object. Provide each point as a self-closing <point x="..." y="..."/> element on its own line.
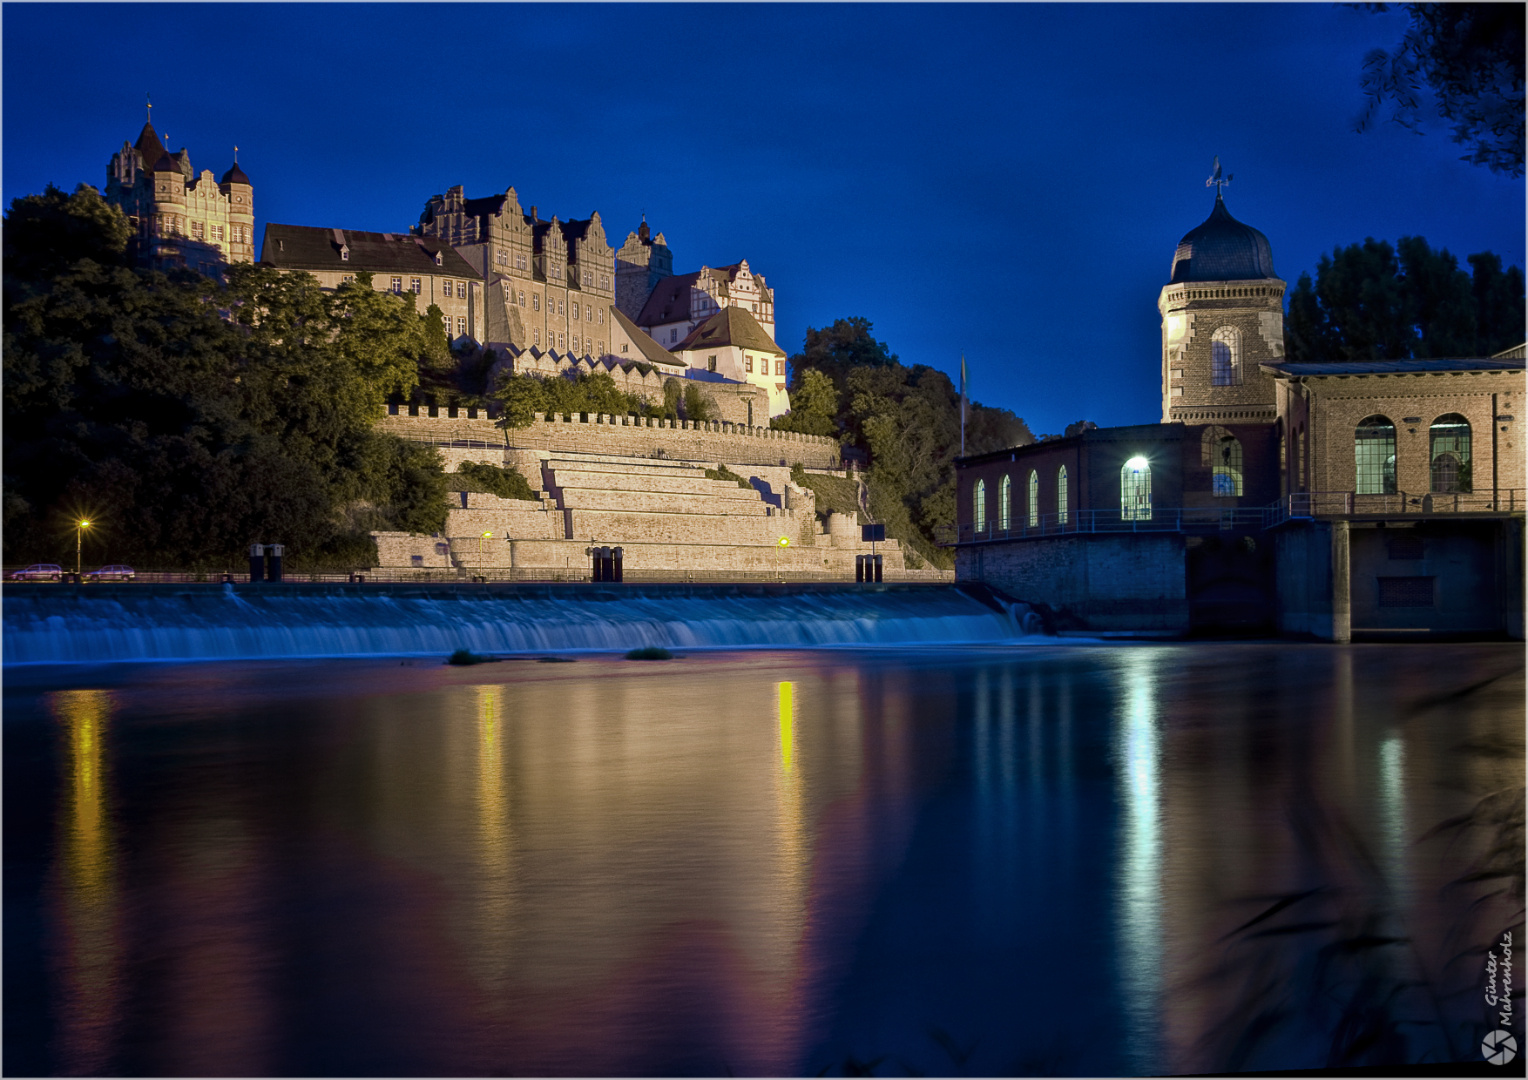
<point x="627" y="436"/>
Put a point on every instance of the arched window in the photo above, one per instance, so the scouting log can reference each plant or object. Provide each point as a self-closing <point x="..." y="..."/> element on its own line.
<point x="1005" y="504"/>
<point x="1221" y="452"/>
<point x="1061" y="515"/>
<point x="1034" y="499"/>
<point x="1449" y="451"/>
<point x="979" y="501"/>
<point x="1374" y="455"/>
<point x="1135" y="490"/>
<point x="1225" y="357"/>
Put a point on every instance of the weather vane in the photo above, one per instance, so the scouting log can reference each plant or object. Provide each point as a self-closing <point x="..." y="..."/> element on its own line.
<point x="149" y="102"/>
<point x="235" y="155"/>
<point x="1217" y="181"/>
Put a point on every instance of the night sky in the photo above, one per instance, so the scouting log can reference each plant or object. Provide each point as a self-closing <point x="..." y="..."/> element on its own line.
<point x="1003" y="181"/>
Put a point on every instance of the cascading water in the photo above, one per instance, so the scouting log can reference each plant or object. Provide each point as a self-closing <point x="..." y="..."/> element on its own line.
<point x="137" y="623"/>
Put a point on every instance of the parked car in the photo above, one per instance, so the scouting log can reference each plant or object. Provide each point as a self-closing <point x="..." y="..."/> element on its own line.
<point x="114" y="572"/>
<point x="43" y="571"/>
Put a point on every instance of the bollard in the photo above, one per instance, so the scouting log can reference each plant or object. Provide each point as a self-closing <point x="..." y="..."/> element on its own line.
<point x="227" y="578"/>
<point x="607" y="565"/>
<point x="615" y="563"/>
<point x="859" y="569"/>
<point x="273" y="564"/>
<point x="877" y="559"/>
<point x="256" y="562"/>
<point x="599" y="563"/>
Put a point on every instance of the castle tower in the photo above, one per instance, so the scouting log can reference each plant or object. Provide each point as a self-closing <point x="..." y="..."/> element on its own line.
<point x="180" y="219"/>
<point x="1222" y="316"/>
<point x="643" y="261"/>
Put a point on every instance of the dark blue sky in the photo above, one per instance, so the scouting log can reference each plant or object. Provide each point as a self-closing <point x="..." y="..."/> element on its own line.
<point x="1003" y="181"/>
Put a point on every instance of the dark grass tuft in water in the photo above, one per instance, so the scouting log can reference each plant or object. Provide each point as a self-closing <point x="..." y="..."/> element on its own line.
<point x="466" y="657"/>
<point x="651" y="652"/>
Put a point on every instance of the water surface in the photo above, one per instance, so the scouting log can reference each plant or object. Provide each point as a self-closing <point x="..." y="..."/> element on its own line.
<point x="1032" y="860"/>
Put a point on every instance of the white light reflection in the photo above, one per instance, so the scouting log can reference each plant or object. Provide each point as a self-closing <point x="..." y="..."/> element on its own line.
<point x="1137" y="757"/>
<point x="1392" y="781"/>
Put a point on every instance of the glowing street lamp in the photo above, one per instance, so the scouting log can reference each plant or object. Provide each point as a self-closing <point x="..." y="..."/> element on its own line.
<point x="487" y="535"/>
<point x="79" y="539"/>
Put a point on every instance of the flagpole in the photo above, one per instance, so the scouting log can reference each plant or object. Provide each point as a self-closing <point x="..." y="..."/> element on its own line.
<point x="962" y="404"/>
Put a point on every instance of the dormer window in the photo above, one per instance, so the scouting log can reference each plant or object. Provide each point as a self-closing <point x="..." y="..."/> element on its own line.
<point x="439" y="259"/>
<point x="344" y="254"/>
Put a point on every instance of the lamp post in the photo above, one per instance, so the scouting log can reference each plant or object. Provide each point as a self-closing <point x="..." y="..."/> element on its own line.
<point x="784" y="543"/>
<point x="79" y="540"/>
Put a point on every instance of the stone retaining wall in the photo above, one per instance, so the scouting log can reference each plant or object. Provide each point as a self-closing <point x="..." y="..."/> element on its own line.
<point x="630" y="436"/>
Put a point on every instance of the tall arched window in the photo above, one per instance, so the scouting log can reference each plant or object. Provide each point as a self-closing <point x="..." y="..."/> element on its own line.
<point x="979" y="501"/>
<point x="1135" y="490"/>
<point x="1374" y="455"/>
<point x="1449" y="451"/>
<point x="1061" y="514"/>
<point x="1005" y="503"/>
<point x="1225" y="357"/>
<point x="1221" y="452"/>
<point x="1034" y="498"/>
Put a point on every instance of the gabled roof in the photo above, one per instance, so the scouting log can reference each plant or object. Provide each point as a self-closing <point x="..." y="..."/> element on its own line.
<point x="1294" y="370"/>
<point x="669" y="302"/>
<point x="730" y="326"/>
<point x="651" y="351"/>
<point x="307" y="247"/>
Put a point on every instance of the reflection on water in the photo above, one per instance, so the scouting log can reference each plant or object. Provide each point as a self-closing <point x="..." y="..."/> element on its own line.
<point x="1052" y="860"/>
<point x="1140" y="892"/>
<point x="90" y="953"/>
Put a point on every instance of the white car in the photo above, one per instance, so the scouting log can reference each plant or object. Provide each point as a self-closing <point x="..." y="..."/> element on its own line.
<point x="114" y="572"/>
<point x="43" y="571"/>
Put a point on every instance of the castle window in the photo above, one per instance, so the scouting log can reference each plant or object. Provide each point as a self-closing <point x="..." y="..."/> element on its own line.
<point x="602" y="348"/>
<point x="446" y="319"/>
<point x="536" y="337"/>
<point x="1225" y="358"/>
<point x="710" y="363"/>
<point x="198" y="230"/>
<point x="1005" y="503"/>
<point x="1374" y="456"/>
<point x="448" y="288"/>
<point x="522" y="298"/>
<point x="344" y="254"/>
<point x="415" y="286"/>
<point x="561" y="308"/>
<point x="1449" y="452"/>
<point x="979" y="503"/>
<point x="535" y="301"/>
<point x="779" y="367"/>
<point x="674" y="334"/>
<point x="397" y="284"/>
<point x="623" y="348"/>
<point x="562" y="340"/>
<point x="748" y="364"/>
<point x="1034" y="498"/>
<point x="461" y="290"/>
<point x="1061" y="511"/>
<point x="461" y="325"/>
<point x="575" y="309"/>
<point x="1135" y="490"/>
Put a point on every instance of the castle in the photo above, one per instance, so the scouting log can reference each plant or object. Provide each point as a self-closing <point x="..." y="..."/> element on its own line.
<point x="181" y="219"/>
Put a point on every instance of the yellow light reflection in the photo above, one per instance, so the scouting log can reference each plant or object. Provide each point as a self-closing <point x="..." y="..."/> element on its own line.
<point x="495" y="843"/>
<point x="787" y="720"/>
<point x="91" y="956"/>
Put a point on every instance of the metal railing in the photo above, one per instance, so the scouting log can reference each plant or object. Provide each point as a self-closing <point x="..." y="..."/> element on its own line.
<point x="1195" y="519"/>
<point x="501" y="575"/>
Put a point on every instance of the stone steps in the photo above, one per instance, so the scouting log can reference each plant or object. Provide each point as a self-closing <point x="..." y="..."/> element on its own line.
<point x="633" y="526"/>
<point x="724" y="504"/>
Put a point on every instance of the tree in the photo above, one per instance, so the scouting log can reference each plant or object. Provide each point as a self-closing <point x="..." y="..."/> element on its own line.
<point x="1471" y="57"/>
<point x="1370" y="301"/>
<point x="49" y="233"/>
<point x="698" y="406"/>
<point x="522" y="396"/>
<point x="814" y="406"/>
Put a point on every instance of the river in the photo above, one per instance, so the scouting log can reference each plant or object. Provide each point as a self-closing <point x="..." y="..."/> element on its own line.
<point x="1030" y="858"/>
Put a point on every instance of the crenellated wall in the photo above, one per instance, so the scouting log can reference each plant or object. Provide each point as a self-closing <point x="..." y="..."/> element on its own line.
<point x="630" y="436"/>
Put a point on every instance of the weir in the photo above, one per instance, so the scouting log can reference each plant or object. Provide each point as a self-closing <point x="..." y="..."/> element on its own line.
<point x="134" y="623"/>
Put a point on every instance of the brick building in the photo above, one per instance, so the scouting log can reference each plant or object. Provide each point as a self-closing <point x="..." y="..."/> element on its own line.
<point x="181" y="218"/>
<point x="1316" y="499"/>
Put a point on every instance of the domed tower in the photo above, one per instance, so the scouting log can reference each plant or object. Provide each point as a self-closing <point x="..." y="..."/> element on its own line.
<point x="240" y="196"/>
<point x="1222" y="316"/>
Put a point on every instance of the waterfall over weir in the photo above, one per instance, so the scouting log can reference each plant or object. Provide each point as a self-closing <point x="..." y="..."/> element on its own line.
<point x="100" y="624"/>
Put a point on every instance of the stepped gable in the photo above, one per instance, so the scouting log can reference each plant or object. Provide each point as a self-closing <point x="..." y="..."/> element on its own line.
<point x="308" y="247"/>
<point x="730" y="326"/>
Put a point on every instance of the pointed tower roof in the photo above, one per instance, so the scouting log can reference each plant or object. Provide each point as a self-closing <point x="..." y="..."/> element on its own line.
<point x="235" y="175"/>
<point x="149" y="148"/>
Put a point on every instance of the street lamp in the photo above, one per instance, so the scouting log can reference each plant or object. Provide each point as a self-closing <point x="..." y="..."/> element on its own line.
<point x="79" y="539"/>
<point x="485" y="536"/>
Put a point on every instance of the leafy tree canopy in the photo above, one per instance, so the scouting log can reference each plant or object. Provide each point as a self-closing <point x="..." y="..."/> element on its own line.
<point x="1471" y="57"/>
<point x="191" y="418"/>
<point x="1371" y="301"/>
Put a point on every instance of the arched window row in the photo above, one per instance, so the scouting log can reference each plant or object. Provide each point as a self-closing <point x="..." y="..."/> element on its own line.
<point x="1005" y="504"/>
<point x="1135" y="490"/>
<point x="1032" y="507"/>
<point x="1034" y="498"/>
<point x="1448" y="455"/>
